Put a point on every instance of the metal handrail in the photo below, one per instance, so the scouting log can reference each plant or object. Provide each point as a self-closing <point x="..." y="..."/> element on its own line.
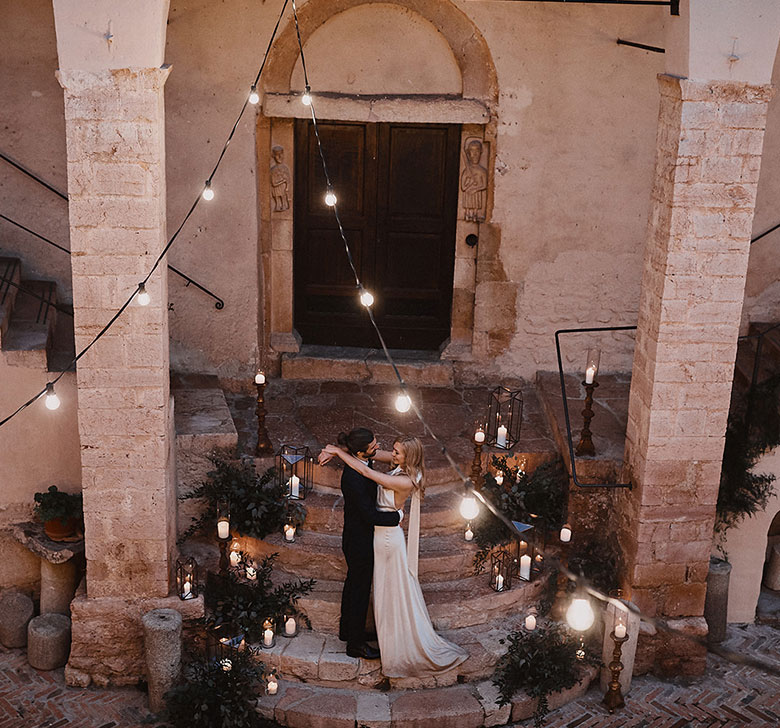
<point x="219" y="305"/>
<point x="566" y="403"/>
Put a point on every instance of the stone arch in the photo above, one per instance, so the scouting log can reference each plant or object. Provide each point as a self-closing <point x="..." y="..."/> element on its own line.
<point x="746" y="546"/>
<point x="468" y="46"/>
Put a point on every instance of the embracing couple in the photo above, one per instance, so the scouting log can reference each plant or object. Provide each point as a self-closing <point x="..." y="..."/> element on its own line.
<point x="374" y="547"/>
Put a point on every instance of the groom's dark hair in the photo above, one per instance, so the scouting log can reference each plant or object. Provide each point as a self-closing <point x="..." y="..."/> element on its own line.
<point x="356" y="440"/>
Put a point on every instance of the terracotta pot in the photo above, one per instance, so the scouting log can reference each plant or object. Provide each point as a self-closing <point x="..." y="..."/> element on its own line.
<point x="58" y="529"/>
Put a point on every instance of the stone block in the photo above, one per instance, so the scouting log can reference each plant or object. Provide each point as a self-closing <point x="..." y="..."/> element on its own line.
<point x="48" y="641"/>
<point x="323" y="710"/>
<point x="373" y="709"/>
<point x="335" y="665"/>
<point x="495" y="714"/>
<point x="58" y="585"/>
<point x="454" y="707"/>
<point x="16" y="611"/>
<point x="684" y="600"/>
<point x="302" y="656"/>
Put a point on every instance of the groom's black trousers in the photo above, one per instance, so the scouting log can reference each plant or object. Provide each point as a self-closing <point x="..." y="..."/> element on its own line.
<point x="357" y="543"/>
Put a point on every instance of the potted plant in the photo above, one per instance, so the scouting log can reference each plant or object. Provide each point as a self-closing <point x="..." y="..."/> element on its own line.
<point x="61" y="513"/>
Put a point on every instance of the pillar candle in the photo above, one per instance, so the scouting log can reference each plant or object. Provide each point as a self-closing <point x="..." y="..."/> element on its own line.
<point x="479" y="436"/>
<point x="590" y="374"/>
<point x="620" y="631"/>
<point x="499" y="478"/>
<point x="530" y="622"/>
<point x="565" y="534"/>
<point x="499" y="583"/>
<point x="469" y="534"/>
<point x="268" y="637"/>
<point x="289" y="626"/>
<point x="260" y="378"/>
<point x="272" y="687"/>
<point x="295" y="482"/>
<point x="223" y="529"/>
<point x="501" y="436"/>
<point x="289" y="532"/>
<point x="234" y="558"/>
<point x="251" y="573"/>
<point x="525" y="566"/>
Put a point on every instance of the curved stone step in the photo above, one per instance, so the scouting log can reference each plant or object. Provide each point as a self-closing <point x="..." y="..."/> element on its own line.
<point x="319" y="556"/>
<point x="465" y="706"/>
<point x="439" y="514"/>
<point x="463" y="603"/>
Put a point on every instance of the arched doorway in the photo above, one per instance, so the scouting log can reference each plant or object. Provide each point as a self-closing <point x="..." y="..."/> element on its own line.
<point x="442" y="86"/>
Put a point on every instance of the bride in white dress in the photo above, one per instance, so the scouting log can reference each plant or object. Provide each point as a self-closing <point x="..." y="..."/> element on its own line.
<point x="407" y="641"/>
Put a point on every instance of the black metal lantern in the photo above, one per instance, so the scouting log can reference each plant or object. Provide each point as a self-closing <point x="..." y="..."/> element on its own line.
<point x="222" y="645"/>
<point x="504" y="418"/>
<point x="187" y="584"/>
<point x="524" y="551"/>
<point x="293" y="471"/>
<point x="501" y="569"/>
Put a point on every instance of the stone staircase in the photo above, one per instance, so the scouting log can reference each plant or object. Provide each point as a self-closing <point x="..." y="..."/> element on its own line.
<point x="33" y="332"/>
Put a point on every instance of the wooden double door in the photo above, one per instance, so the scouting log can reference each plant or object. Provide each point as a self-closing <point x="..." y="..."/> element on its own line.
<point x="397" y="187"/>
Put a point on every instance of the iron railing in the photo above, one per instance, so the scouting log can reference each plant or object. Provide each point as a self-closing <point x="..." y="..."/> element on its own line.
<point x="219" y="303"/>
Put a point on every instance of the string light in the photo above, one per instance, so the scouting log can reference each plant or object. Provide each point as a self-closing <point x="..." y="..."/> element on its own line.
<point x="403" y="402"/>
<point x="469" y="508"/>
<point x="306" y="97"/>
<point x="330" y="197"/>
<point x="208" y="193"/>
<point x="143" y="297"/>
<point x="366" y="298"/>
<point x="579" y="615"/>
<point x="254" y="97"/>
<point x="52" y="401"/>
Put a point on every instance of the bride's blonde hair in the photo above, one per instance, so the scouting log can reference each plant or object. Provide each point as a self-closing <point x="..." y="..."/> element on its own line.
<point x="414" y="465"/>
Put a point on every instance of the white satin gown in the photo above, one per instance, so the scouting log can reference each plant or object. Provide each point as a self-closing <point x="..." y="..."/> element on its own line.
<point x="409" y="645"/>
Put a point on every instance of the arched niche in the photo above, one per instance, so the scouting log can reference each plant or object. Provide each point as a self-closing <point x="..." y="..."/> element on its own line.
<point x="746" y="547"/>
<point x="415" y="61"/>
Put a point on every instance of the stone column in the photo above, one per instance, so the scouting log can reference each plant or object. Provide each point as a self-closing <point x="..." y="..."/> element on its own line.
<point x="116" y="181"/>
<point x="709" y="146"/>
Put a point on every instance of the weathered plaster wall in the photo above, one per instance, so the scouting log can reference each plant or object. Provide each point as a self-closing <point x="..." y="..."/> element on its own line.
<point x="575" y="146"/>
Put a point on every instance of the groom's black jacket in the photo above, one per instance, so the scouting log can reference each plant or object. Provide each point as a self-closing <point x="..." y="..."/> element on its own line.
<point x="357" y="542"/>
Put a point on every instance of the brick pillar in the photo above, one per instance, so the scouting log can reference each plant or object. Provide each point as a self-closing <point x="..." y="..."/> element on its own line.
<point x="709" y="144"/>
<point x="116" y="179"/>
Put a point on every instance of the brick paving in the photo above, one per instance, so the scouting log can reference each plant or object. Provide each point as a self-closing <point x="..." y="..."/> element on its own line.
<point x="729" y="695"/>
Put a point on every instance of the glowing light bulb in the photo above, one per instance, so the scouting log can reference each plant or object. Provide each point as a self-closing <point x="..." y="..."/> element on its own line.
<point x="52" y="401"/>
<point x="306" y="98"/>
<point x="330" y="197"/>
<point x="208" y="193"/>
<point x="366" y="298"/>
<point x="580" y="614"/>
<point x="403" y="402"/>
<point x="143" y="297"/>
<point x="254" y="97"/>
<point x="469" y="508"/>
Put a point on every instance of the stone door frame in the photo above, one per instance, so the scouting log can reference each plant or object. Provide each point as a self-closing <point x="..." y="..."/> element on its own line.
<point x="474" y="110"/>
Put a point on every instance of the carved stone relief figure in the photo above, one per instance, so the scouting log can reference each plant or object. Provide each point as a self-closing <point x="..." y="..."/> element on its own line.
<point x="474" y="182"/>
<point x="280" y="180"/>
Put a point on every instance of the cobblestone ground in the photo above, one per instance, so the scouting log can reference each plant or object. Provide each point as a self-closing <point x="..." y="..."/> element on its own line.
<point x="729" y="695"/>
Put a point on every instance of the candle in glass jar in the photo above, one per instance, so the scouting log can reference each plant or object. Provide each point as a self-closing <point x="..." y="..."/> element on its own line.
<point x="499" y="478"/>
<point x="479" y="436"/>
<point x="289" y="532"/>
<point x="268" y="637"/>
<point x="499" y="582"/>
<point x="501" y="436"/>
<point x="525" y="567"/>
<point x="251" y="573"/>
<point x="620" y="631"/>
<point x="272" y="687"/>
<point x="294" y="483"/>
<point x="235" y="559"/>
<point x="289" y="626"/>
<point x="565" y="534"/>
<point x="530" y="622"/>
<point x="260" y="378"/>
<point x="223" y="529"/>
<point x="227" y="665"/>
<point x="469" y="535"/>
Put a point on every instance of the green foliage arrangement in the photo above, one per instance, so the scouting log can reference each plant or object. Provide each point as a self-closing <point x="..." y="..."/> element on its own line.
<point x="210" y="697"/>
<point x="258" y="505"/>
<point x="543" y="492"/>
<point x="600" y="561"/>
<point x="247" y="604"/>
<point x="752" y="430"/>
<point x="540" y="662"/>
<point x="56" y="504"/>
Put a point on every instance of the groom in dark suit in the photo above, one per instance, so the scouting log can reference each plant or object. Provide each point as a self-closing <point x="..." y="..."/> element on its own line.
<point x="357" y="542"/>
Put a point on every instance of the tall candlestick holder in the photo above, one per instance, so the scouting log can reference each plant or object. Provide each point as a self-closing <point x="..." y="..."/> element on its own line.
<point x="264" y="446"/>
<point x="585" y="445"/>
<point x="613" y="698"/>
<point x="223" y="555"/>
<point x="476" y="465"/>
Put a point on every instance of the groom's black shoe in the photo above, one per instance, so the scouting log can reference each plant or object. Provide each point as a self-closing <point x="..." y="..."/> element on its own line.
<point x="363" y="650"/>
